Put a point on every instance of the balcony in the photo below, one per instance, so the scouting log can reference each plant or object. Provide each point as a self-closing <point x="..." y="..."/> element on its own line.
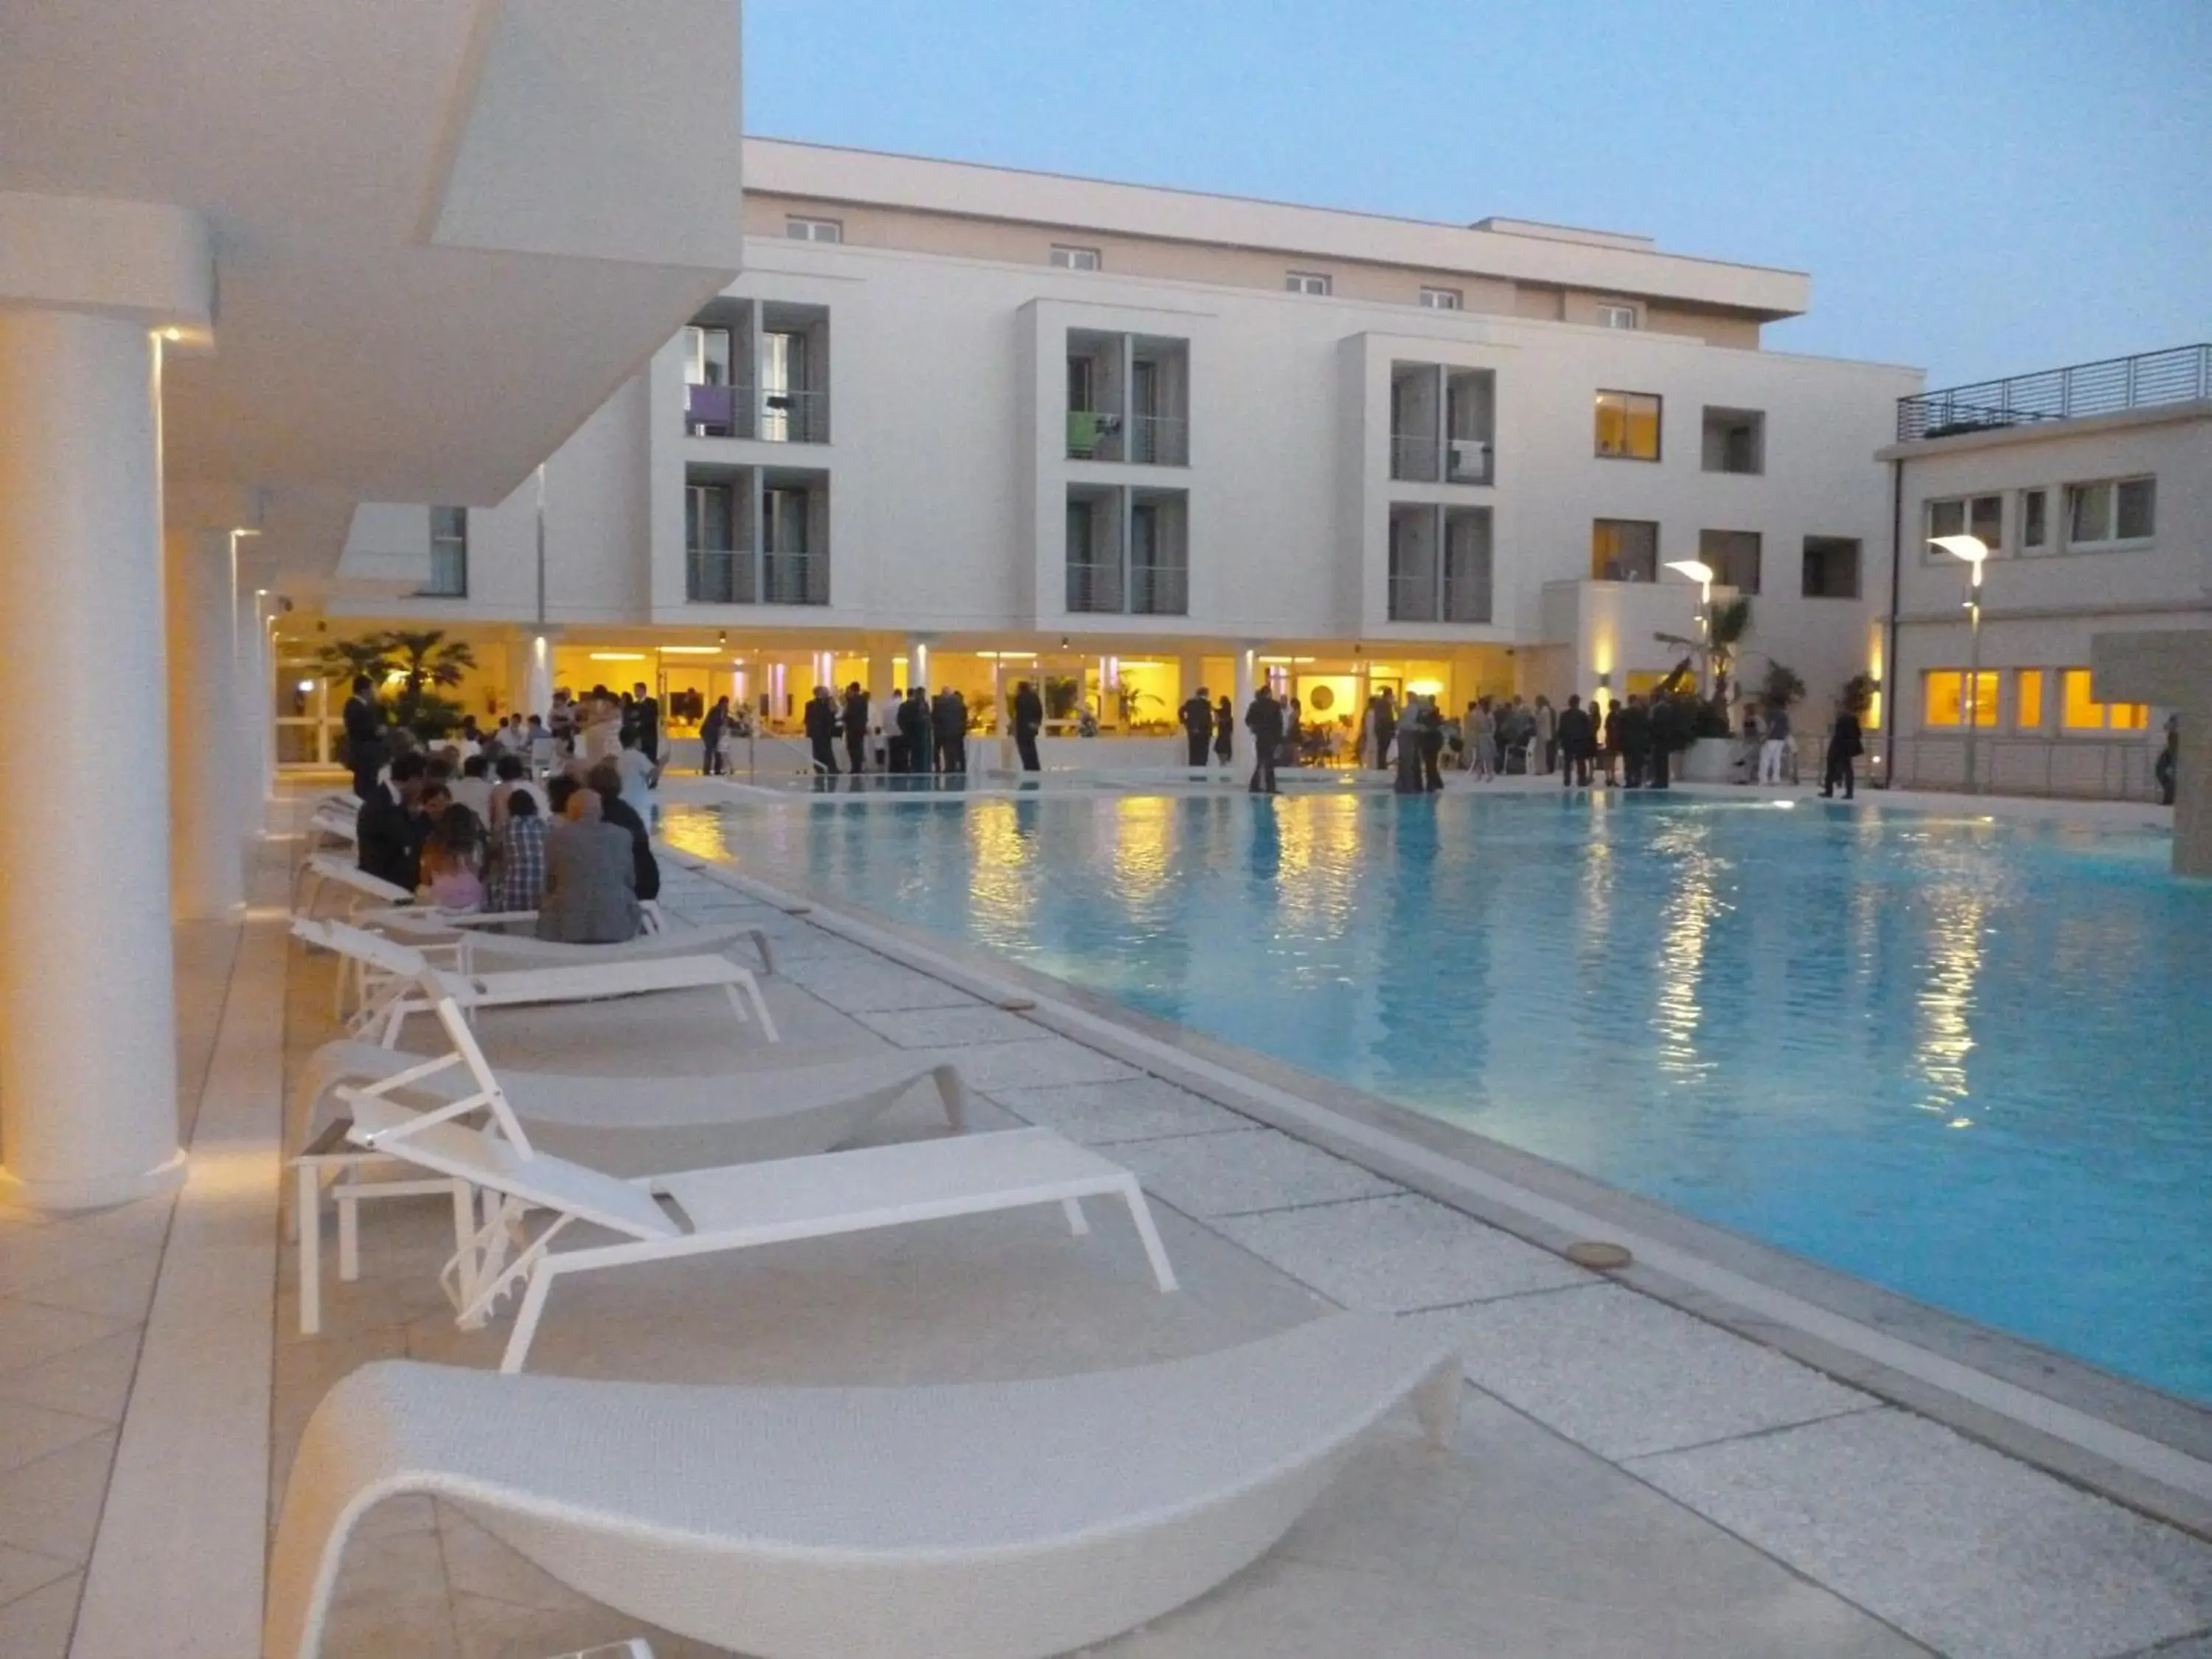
<point x="719" y="411"/>
<point x="1423" y="588"/>
<point x="1127" y="551"/>
<point x="2183" y="375"/>
<point x="789" y="416"/>
<point x="1159" y="590"/>
<point x="1094" y="587"/>
<point x="1441" y="420"/>
<point x="1128" y="399"/>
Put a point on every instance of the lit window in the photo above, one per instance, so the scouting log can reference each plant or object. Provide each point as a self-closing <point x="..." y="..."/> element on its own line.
<point x="1618" y="314"/>
<point x="1944" y="693"/>
<point x="1440" y="298"/>
<point x="2028" y="699"/>
<point x="2110" y="511"/>
<point x="1628" y="425"/>
<point x="2034" y="527"/>
<point x="1075" y="258"/>
<point x="1306" y="281"/>
<point x="2080" y="711"/>
<point x="814" y="230"/>
<point x="1981" y="516"/>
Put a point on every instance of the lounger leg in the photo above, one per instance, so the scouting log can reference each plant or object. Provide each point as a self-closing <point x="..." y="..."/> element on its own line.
<point x="1155" y="1252"/>
<point x="1073" y="1210"/>
<point x="952" y="1090"/>
<point x="349" y="1233"/>
<point x="525" y="1320"/>
<point x="465" y="1209"/>
<point x="767" y="950"/>
<point x="307" y="1211"/>
<point x="1437" y="1405"/>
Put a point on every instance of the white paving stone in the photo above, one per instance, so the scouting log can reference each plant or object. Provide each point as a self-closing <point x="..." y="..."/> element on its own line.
<point x="1220" y="1175"/>
<point x="992" y="1066"/>
<point x="1624" y="1375"/>
<point x="861" y="989"/>
<point x="952" y="1028"/>
<point x="1394" y="1255"/>
<point x="1978" y="1556"/>
<point x="1137" y="1109"/>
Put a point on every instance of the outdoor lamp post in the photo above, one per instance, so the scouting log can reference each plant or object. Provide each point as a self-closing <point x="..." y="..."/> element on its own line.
<point x="1973" y="550"/>
<point x="1702" y="574"/>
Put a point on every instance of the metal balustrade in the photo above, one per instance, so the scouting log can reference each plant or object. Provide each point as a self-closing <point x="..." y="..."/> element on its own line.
<point x="2181" y="375"/>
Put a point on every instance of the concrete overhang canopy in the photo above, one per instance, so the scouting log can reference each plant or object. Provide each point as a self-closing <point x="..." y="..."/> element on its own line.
<point x="442" y="235"/>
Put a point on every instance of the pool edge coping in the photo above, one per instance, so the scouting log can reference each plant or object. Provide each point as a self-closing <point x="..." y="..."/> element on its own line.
<point x="2120" y="1439"/>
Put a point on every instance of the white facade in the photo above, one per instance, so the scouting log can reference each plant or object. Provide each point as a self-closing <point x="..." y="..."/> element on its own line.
<point x="2098" y="525"/>
<point x="1253" y="504"/>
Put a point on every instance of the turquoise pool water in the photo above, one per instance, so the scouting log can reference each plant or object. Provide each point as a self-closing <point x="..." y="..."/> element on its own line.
<point x="1971" y="1061"/>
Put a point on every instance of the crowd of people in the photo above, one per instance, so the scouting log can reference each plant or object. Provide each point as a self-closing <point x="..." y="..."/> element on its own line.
<point x="548" y="817"/>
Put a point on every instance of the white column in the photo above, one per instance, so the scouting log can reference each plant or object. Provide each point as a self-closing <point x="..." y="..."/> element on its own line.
<point x="209" y="780"/>
<point x="88" y="1020"/>
<point x="1247" y="677"/>
<point x="253" y="684"/>
<point x="537" y="679"/>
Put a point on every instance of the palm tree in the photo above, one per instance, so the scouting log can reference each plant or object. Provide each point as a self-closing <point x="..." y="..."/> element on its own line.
<point x="345" y="661"/>
<point x="427" y="658"/>
<point x="1725" y="626"/>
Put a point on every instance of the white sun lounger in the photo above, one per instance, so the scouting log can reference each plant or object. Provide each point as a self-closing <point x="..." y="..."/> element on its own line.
<point x="729" y="1208"/>
<point x="965" y="1521"/>
<point x="319" y="870"/>
<point x="620" y="1126"/>
<point x="405" y="991"/>
<point x="482" y="950"/>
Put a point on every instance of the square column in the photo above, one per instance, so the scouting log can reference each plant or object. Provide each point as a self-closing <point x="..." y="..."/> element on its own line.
<point x="210" y="780"/>
<point x="87" y="1023"/>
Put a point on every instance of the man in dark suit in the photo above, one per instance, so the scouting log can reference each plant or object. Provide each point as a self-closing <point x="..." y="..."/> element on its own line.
<point x="856" y="727"/>
<point x="1263" y="718"/>
<point x="1197" y="714"/>
<point x="646" y="710"/>
<point x="1029" y="720"/>
<point x="821" y="721"/>
<point x="386" y="844"/>
<point x="948" y="721"/>
<point x="364" y="736"/>
<point x="1845" y="745"/>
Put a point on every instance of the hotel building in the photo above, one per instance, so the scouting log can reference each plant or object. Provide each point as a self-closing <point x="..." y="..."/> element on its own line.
<point x="973" y="425"/>
<point x="2092" y="488"/>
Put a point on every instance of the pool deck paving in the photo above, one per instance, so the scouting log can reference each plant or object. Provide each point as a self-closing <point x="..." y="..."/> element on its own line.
<point x="1630" y="1479"/>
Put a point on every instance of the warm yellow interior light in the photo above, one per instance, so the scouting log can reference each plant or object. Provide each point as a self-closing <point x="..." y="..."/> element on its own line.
<point x="617" y="656"/>
<point x="691" y="650"/>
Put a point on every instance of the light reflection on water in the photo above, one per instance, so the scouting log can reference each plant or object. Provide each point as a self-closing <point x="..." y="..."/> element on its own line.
<point x="1969" y="1061"/>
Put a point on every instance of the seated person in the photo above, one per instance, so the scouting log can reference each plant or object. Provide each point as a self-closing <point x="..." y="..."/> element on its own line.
<point x="606" y="780"/>
<point x="472" y="789"/>
<point x="591" y="878"/>
<point x="386" y="845"/>
<point x="521" y="882"/>
<point x="450" y="873"/>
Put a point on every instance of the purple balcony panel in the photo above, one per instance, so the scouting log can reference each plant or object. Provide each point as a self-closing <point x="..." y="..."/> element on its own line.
<point x="713" y="405"/>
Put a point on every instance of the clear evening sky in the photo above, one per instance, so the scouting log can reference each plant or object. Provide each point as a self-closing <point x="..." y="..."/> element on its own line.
<point x="1977" y="188"/>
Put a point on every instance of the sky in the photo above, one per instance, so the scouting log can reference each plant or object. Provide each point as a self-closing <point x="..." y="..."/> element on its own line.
<point x="1978" y="189"/>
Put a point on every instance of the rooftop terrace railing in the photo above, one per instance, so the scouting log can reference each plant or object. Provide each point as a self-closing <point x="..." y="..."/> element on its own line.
<point x="2183" y="375"/>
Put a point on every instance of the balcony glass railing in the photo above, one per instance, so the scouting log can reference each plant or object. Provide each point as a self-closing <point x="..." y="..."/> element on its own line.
<point x="1094" y="587"/>
<point x="1467" y="460"/>
<point x="1467" y="599"/>
<point x="1413" y="599"/>
<point x="1415" y="460"/>
<point x="718" y="411"/>
<point x="717" y="576"/>
<point x="1159" y="590"/>
<point x="795" y="578"/>
<point x="1093" y="436"/>
<point x="788" y="415"/>
<point x="1159" y="441"/>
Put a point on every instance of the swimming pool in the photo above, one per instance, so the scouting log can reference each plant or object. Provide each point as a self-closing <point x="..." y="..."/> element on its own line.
<point x="1969" y="1060"/>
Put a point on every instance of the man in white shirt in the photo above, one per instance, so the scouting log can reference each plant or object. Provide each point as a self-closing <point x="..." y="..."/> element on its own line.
<point x="638" y="774"/>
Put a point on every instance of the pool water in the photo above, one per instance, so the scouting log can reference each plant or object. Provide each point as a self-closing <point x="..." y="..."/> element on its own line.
<point x="1969" y="1060"/>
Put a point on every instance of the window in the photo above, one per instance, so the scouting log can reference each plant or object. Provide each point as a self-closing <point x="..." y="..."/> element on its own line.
<point x="2079" y="711"/>
<point x="1832" y="567"/>
<point x="1944" y="693"/>
<point x="2110" y="511"/>
<point x="2034" y="526"/>
<point x="1616" y="313"/>
<point x="1306" y="281"/>
<point x="1075" y="258"/>
<point x="1734" y="441"/>
<point x="1624" y="550"/>
<point x="2028" y="699"/>
<point x="1734" y="556"/>
<point x="1440" y="298"/>
<point x="449" y="554"/>
<point x="814" y="230"/>
<point x="1965" y="515"/>
<point x="1628" y="425"/>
